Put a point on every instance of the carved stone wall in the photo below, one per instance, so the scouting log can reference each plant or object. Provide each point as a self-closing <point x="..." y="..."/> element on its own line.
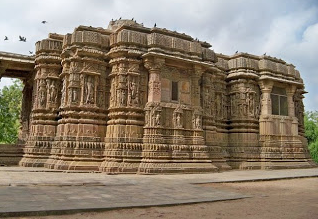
<point x="132" y="99"/>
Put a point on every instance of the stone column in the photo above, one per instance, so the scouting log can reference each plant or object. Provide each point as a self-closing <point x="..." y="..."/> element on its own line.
<point x="123" y="142"/>
<point x="291" y="109"/>
<point x="290" y="100"/>
<point x="26" y="110"/>
<point x="266" y="108"/>
<point x="197" y="109"/>
<point x="45" y="102"/>
<point x="155" y="154"/>
<point x="79" y="142"/>
<point x="154" y="86"/>
<point x="266" y="103"/>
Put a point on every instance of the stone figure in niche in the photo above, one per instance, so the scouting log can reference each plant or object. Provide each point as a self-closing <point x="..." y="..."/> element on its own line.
<point x="53" y="92"/>
<point x="74" y="95"/>
<point x="42" y="97"/>
<point x="89" y="89"/>
<point x="197" y="122"/>
<point x="122" y="97"/>
<point x="178" y="120"/>
<point x="118" y="97"/>
<point x="250" y="101"/>
<point x="133" y="89"/>
<point x="136" y="100"/>
<point x="146" y="118"/>
<point x="158" y="119"/>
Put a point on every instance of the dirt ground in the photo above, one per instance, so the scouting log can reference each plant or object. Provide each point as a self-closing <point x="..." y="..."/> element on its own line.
<point x="294" y="198"/>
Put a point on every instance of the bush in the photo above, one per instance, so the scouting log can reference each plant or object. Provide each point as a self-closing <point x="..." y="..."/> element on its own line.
<point x="10" y="109"/>
<point x="311" y="133"/>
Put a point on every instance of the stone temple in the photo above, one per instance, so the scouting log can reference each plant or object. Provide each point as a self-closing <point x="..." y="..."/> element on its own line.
<point x="132" y="99"/>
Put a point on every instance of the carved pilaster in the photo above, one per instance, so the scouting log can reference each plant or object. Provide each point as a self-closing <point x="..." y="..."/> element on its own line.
<point x="290" y="100"/>
<point x="195" y="80"/>
<point x="81" y="130"/>
<point x="154" y="86"/>
<point x="125" y="127"/>
<point x="26" y="107"/>
<point x="45" y="103"/>
<point x="266" y="103"/>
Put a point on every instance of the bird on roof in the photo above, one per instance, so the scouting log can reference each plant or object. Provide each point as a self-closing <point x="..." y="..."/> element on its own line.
<point x="236" y="52"/>
<point x="23" y="39"/>
<point x="132" y="19"/>
<point x="265" y="54"/>
<point x="44" y="22"/>
<point x="6" y="38"/>
<point x="155" y="25"/>
<point x="31" y="52"/>
<point x="120" y="18"/>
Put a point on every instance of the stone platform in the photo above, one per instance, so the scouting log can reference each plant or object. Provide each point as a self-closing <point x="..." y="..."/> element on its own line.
<point x="10" y="154"/>
<point x="39" y="191"/>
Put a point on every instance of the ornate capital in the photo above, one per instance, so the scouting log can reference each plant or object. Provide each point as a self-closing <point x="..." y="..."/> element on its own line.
<point x="291" y="90"/>
<point x="153" y="64"/>
<point x="266" y="85"/>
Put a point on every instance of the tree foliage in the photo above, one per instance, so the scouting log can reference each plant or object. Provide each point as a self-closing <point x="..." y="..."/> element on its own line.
<point x="10" y="109"/>
<point x="311" y="133"/>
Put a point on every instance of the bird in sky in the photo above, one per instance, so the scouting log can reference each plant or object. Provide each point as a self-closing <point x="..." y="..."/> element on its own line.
<point x="44" y="22"/>
<point x="265" y="54"/>
<point x="236" y="52"/>
<point x="31" y="52"/>
<point x="23" y="39"/>
<point x="6" y="38"/>
<point x="155" y="25"/>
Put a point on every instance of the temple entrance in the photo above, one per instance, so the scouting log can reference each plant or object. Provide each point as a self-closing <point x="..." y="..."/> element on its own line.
<point x="20" y="67"/>
<point x="17" y="67"/>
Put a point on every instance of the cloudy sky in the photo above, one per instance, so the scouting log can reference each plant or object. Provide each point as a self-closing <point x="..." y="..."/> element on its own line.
<point x="287" y="29"/>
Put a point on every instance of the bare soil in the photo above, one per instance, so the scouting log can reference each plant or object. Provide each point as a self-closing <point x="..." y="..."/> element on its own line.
<point x="294" y="198"/>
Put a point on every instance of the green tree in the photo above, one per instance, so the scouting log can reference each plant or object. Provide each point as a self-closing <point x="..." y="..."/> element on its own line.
<point x="10" y="109"/>
<point x="311" y="133"/>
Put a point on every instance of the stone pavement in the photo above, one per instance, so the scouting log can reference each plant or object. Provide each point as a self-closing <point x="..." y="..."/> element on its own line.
<point x="37" y="191"/>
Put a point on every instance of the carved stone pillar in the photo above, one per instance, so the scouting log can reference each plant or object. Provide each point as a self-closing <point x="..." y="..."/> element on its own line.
<point x="266" y="103"/>
<point x="123" y="142"/>
<point x="26" y="110"/>
<point x="199" y="149"/>
<point x="290" y="100"/>
<point x="299" y="110"/>
<point x="244" y="110"/>
<point x="265" y="122"/>
<point x="154" y="85"/>
<point x="79" y="142"/>
<point x="291" y="109"/>
<point x="45" y="103"/>
<point x="154" y="150"/>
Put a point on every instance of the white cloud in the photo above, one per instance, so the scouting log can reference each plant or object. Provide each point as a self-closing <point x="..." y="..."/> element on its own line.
<point x="287" y="29"/>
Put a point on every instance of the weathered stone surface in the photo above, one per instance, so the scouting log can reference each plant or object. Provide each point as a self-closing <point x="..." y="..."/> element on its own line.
<point x="132" y="99"/>
<point x="10" y="154"/>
